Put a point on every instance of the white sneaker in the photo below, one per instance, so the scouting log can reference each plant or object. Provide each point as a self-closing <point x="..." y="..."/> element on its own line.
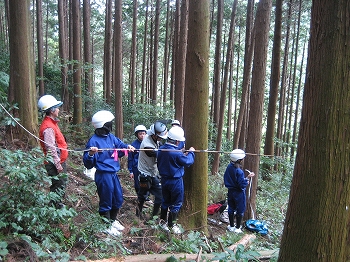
<point x="116" y="224"/>
<point x="176" y="229"/>
<point x="113" y="231"/>
<point x="163" y="225"/>
<point x="231" y="229"/>
<point x="237" y="230"/>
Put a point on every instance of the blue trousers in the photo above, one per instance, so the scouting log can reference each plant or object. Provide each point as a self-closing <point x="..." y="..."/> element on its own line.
<point x="109" y="191"/>
<point x="173" y="194"/>
<point x="236" y="202"/>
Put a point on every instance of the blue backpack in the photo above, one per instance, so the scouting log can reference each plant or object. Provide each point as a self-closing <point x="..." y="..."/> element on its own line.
<point x="256" y="226"/>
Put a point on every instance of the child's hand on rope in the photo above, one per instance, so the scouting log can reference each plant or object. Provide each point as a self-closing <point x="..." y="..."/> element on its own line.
<point x="93" y="150"/>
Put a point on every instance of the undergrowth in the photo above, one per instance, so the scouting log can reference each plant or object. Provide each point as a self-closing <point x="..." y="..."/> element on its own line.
<point x="26" y="216"/>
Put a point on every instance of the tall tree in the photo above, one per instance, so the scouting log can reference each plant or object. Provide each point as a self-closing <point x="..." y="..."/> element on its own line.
<point x="166" y="59"/>
<point x="317" y="221"/>
<point x="88" y="83"/>
<point x="282" y="99"/>
<point x="144" y="57"/>
<point x="217" y="64"/>
<point x="248" y="56"/>
<point x="262" y="27"/>
<point x="107" y="55"/>
<point x="194" y="212"/>
<point x="275" y="80"/>
<point x="63" y="50"/>
<point x="133" y="54"/>
<point x="222" y="106"/>
<point x="118" y="69"/>
<point x="155" y="54"/>
<point x="180" y="69"/>
<point x="76" y="22"/>
<point x="22" y="71"/>
<point x="39" y="39"/>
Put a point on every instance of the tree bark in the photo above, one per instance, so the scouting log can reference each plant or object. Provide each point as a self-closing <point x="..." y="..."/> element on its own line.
<point x="275" y="80"/>
<point x="76" y="22"/>
<point x="194" y="212"/>
<point x="63" y="51"/>
<point x="251" y="162"/>
<point x="181" y="62"/>
<point x="248" y="56"/>
<point x="118" y="69"/>
<point x="133" y="54"/>
<point x="222" y="106"/>
<point x="107" y="56"/>
<point x="39" y="37"/>
<point x="317" y="221"/>
<point x="22" y="69"/>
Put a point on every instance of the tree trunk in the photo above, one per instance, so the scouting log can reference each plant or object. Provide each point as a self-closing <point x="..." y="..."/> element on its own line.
<point x="22" y="72"/>
<point x="216" y="162"/>
<point x="133" y="54"/>
<point x="317" y="221"/>
<point x="181" y="62"/>
<point x="217" y="66"/>
<point x="76" y="21"/>
<point x="107" y="56"/>
<point x="155" y="54"/>
<point x="167" y="44"/>
<point x="63" y="51"/>
<point x="275" y="80"/>
<point x="194" y="212"/>
<point x="39" y="37"/>
<point x="262" y="26"/>
<point x="144" y="57"/>
<point x="248" y="56"/>
<point x="118" y="69"/>
<point x="87" y="50"/>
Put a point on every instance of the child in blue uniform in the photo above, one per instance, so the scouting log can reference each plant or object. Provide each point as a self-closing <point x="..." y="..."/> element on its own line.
<point x="107" y="165"/>
<point x="133" y="157"/>
<point x="171" y="164"/>
<point x="236" y="184"/>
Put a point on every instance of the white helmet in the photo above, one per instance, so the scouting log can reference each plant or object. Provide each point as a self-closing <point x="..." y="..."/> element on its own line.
<point x="48" y="101"/>
<point x="140" y="128"/>
<point x="159" y="129"/>
<point x="101" y="117"/>
<point x="237" y="154"/>
<point x="175" y="122"/>
<point x="176" y="133"/>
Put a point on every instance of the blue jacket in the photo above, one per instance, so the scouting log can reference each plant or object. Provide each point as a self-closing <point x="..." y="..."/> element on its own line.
<point x="133" y="157"/>
<point x="103" y="161"/>
<point x="234" y="178"/>
<point x="171" y="164"/>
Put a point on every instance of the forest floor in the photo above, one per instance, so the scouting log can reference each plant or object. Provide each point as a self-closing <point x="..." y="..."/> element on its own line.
<point x="140" y="237"/>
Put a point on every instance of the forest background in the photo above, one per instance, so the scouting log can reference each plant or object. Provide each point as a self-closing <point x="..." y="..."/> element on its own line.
<point x="231" y="71"/>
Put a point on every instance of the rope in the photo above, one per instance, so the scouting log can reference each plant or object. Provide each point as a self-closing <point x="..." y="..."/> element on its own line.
<point x="113" y="149"/>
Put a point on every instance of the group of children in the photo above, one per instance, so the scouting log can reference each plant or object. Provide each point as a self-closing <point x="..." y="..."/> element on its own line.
<point x="156" y="168"/>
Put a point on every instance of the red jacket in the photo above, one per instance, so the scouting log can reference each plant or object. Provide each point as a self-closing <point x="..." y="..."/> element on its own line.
<point x="48" y="122"/>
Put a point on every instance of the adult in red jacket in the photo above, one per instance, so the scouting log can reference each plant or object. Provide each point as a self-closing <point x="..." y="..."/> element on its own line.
<point x="53" y="143"/>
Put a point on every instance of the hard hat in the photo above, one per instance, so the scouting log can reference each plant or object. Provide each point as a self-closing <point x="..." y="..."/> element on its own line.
<point x="159" y="129"/>
<point x="237" y="154"/>
<point x="48" y="101"/>
<point x="175" y="122"/>
<point x="101" y="117"/>
<point x="140" y="128"/>
<point x="176" y="133"/>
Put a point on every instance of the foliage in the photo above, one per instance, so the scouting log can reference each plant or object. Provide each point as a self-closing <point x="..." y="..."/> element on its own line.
<point x="23" y="204"/>
<point x="239" y="255"/>
<point x="27" y="215"/>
